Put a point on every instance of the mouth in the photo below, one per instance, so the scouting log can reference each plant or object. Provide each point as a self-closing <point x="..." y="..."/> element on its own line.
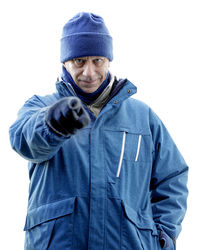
<point x="89" y="83"/>
<point x="89" y="86"/>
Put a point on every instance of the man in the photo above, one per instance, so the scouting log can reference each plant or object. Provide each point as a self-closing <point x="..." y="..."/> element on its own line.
<point x="104" y="172"/>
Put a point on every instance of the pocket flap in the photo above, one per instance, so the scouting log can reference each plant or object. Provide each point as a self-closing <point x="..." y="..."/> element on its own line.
<point x="141" y="221"/>
<point x="48" y="212"/>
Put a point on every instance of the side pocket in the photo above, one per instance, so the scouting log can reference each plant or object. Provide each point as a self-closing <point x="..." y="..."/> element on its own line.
<point x="138" y="230"/>
<point x="44" y="226"/>
<point x="39" y="236"/>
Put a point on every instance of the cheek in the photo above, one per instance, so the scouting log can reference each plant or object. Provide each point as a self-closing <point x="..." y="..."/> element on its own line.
<point x="74" y="73"/>
<point x="70" y="68"/>
<point x="104" y="72"/>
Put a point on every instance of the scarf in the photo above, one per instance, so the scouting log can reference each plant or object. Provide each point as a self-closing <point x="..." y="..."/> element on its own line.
<point x="87" y="98"/>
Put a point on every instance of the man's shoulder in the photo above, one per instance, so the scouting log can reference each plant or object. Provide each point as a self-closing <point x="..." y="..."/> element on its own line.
<point x="43" y="100"/>
<point x="138" y="104"/>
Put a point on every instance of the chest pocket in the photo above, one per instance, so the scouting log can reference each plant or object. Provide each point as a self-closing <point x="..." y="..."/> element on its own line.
<point x="125" y="148"/>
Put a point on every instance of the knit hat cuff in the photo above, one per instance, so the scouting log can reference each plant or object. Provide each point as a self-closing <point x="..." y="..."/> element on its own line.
<point x="86" y="44"/>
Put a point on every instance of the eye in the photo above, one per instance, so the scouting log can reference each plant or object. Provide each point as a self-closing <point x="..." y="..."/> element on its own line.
<point x="98" y="61"/>
<point x="79" y="62"/>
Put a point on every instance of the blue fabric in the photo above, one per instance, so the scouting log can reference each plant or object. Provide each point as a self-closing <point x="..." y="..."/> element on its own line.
<point x="78" y="198"/>
<point x="85" y="35"/>
<point x="87" y="98"/>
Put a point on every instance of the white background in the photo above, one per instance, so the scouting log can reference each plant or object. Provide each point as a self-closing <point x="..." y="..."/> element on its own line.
<point x="156" y="46"/>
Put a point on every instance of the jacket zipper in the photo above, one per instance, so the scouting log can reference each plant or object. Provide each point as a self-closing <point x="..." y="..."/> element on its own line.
<point x="138" y="147"/>
<point x="121" y="155"/>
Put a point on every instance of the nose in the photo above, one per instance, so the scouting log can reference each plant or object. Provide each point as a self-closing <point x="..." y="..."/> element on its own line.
<point x="88" y="70"/>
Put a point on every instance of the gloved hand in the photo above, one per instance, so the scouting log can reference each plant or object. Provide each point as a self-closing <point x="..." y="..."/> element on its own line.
<point x="66" y="116"/>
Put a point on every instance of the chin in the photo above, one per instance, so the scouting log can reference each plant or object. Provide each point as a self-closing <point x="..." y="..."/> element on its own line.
<point x="89" y="91"/>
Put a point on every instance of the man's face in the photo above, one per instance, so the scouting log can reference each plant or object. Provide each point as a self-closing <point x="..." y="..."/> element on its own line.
<point x="88" y="72"/>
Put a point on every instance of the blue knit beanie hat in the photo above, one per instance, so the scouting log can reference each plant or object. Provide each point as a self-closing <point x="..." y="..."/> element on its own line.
<point x="85" y="35"/>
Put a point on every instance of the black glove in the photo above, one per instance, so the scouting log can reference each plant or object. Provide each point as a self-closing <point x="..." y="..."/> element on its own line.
<point x="66" y="116"/>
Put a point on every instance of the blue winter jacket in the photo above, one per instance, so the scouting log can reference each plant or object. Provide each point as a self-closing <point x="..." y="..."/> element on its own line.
<point x="119" y="183"/>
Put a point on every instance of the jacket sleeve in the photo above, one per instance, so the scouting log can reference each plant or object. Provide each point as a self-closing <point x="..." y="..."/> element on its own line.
<point x="30" y="136"/>
<point x="168" y="182"/>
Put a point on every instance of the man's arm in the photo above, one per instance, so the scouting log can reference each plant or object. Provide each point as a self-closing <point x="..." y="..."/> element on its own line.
<point x="168" y="183"/>
<point x="40" y="129"/>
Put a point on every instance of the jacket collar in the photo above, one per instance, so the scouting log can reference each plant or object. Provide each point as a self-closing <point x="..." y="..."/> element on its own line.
<point x="121" y="89"/>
